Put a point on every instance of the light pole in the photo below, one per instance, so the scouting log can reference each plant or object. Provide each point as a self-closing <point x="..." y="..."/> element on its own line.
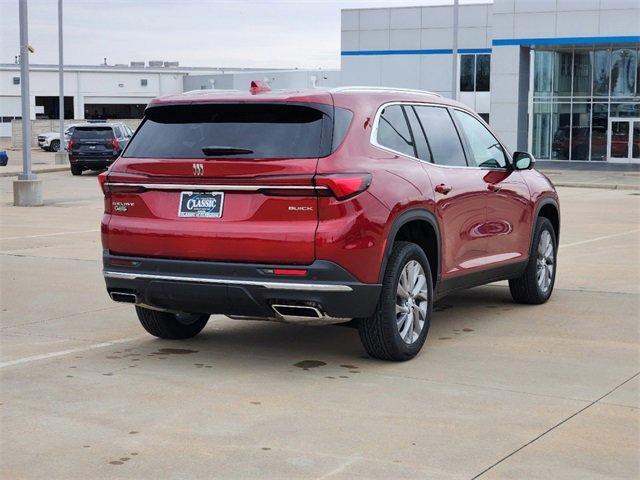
<point x="27" y="190"/>
<point x="454" y="69"/>
<point x="61" y="155"/>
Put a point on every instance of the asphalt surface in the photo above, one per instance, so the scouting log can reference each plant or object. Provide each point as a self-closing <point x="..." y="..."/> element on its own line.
<point x="499" y="391"/>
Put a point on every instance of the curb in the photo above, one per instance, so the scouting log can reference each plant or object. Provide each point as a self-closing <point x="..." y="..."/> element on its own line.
<point x="59" y="168"/>
<point x="605" y="186"/>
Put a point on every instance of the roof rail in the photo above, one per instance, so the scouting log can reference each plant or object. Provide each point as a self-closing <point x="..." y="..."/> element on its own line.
<point x="384" y="89"/>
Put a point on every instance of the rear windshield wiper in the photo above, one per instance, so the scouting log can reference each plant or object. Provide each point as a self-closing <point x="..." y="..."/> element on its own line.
<point x="220" y="150"/>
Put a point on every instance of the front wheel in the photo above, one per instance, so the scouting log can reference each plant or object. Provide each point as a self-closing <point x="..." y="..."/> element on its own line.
<point x="171" y="326"/>
<point x="535" y="285"/>
<point x="54" y="146"/>
<point x="398" y="328"/>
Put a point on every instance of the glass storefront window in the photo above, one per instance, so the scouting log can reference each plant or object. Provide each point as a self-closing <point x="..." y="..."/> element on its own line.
<point x="623" y="72"/>
<point x="562" y="74"/>
<point x="601" y="71"/>
<point x="541" y="130"/>
<point x="582" y="69"/>
<point x="580" y="131"/>
<point x="599" y="125"/>
<point x="560" y="128"/>
<point x="542" y="73"/>
<point x="575" y="94"/>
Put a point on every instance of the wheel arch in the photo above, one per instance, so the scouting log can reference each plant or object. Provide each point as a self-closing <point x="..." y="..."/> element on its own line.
<point x="419" y="226"/>
<point x="548" y="208"/>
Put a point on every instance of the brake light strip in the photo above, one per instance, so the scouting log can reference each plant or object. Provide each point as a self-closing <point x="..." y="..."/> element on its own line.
<point x="189" y="186"/>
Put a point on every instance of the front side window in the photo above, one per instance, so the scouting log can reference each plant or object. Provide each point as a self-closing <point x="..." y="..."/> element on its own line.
<point x="487" y="151"/>
<point x="442" y="136"/>
<point x="393" y="131"/>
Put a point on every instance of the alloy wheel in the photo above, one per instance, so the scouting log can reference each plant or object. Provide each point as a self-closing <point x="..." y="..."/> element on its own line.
<point x="545" y="262"/>
<point x="412" y="301"/>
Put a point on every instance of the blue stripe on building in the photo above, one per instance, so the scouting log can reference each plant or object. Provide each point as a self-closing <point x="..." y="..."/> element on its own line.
<point x="564" y="40"/>
<point x="432" y="51"/>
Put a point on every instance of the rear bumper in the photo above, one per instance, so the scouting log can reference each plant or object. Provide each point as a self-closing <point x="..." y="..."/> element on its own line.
<point x="92" y="162"/>
<point x="328" y="293"/>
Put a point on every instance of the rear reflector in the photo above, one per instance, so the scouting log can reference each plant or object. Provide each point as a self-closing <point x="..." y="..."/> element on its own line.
<point x="344" y="185"/>
<point x="290" y="271"/>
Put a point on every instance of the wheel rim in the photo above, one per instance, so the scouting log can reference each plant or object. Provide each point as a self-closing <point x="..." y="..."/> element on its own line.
<point x="412" y="302"/>
<point x="55" y="146"/>
<point x="545" y="262"/>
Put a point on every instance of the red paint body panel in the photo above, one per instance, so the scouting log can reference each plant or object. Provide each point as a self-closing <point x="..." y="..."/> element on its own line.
<point x="485" y="219"/>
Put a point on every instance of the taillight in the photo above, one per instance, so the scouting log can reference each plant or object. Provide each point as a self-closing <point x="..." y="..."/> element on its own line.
<point x="102" y="178"/>
<point x="69" y="145"/>
<point x="115" y="144"/>
<point x="344" y="185"/>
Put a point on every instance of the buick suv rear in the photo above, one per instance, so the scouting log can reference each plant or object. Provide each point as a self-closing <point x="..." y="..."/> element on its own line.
<point x="320" y="207"/>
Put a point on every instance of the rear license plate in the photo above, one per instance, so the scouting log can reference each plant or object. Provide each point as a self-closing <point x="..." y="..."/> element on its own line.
<point x="201" y="204"/>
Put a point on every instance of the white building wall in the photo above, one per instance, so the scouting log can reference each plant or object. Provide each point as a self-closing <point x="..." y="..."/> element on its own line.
<point x="375" y="43"/>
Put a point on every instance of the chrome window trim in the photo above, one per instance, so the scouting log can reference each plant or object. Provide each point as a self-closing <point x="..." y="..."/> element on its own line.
<point x="374" y="133"/>
<point x="210" y="187"/>
<point x="302" y="286"/>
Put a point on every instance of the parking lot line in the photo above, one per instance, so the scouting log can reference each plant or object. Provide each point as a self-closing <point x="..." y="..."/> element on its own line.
<point x="597" y="239"/>
<point x="51" y="234"/>
<point x="61" y="353"/>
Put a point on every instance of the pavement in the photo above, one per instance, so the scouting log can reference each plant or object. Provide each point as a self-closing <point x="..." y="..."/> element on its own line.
<point x="500" y="390"/>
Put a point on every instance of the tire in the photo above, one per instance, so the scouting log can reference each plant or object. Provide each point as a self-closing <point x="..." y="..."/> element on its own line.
<point x="527" y="289"/>
<point x="54" y="146"/>
<point x="381" y="334"/>
<point x="171" y="326"/>
<point x="76" y="170"/>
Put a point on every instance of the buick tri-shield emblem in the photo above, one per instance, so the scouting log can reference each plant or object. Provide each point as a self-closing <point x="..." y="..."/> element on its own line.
<point x="198" y="169"/>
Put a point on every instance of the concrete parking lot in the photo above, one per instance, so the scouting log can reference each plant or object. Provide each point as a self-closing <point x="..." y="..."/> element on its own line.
<point x="500" y="390"/>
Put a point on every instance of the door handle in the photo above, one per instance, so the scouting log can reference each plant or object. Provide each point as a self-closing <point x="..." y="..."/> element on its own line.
<point x="443" y="189"/>
<point x="492" y="187"/>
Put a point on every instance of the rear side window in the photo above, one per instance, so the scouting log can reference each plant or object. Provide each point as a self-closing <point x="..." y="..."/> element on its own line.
<point x="487" y="151"/>
<point x="418" y="135"/>
<point x="92" y="133"/>
<point x="442" y="136"/>
<point x="232" y="130"/>
<point x="393" y="131"/>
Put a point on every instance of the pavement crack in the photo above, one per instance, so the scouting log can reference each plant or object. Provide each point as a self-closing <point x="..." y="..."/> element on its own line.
<point x="554" y="427"/>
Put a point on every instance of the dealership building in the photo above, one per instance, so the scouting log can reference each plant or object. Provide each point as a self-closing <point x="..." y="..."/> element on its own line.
<point x="557" y="77"/>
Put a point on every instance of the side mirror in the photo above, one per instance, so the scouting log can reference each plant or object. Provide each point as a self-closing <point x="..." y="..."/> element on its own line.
<point x="523" y="161"/>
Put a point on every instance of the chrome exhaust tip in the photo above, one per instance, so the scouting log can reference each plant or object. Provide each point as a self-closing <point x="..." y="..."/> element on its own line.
<point x="124" y="297"/>
<point x="296" y="313"/>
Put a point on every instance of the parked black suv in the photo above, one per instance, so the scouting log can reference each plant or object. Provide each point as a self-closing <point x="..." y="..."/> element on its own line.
<point x="94" y="146"/>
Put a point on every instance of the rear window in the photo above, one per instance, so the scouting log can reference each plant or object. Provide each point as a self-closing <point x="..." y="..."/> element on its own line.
<point x="234" y="130"/>
<point x="92" y="133"/>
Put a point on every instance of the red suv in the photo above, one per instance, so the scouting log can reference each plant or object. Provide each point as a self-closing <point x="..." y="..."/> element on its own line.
<point x="319" y="207"/>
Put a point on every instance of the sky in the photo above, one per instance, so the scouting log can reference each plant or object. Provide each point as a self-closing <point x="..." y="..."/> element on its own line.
<point x="205" y="33"/>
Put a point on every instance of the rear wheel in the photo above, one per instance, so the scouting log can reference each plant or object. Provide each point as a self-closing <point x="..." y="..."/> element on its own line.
<point x="398" y="328"/>
<point x="171" y="326"/>
<point x="76" y="170"/>
<point x="535" y="285"/>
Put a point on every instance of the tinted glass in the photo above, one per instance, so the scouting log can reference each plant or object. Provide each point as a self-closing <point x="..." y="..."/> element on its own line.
<point x="118" y="132"/>
<point x="483" y="72"/>
<point x="341" y="121"/>
<point x="562" y="74"/>
<point x="486" y="150"/>
<point x="92" y="133"/>
<point x="267" y="130"/>
<point x="467" y="73"/>
<point x="418" y="135"/>
<point x="442" y="136"/>
<point x="393" y="131"/>
<point x="582" y="69"/>
<point x="601" y="70"/>
<point x="623" y="72"/>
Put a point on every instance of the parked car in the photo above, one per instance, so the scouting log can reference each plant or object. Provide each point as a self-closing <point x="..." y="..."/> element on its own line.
<point x="50" y="141"/>
<point x="94" y="146"/>
<point x="321" y="206"/>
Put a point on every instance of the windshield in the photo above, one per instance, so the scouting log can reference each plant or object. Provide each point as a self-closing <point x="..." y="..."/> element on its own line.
<point x="233" y="131"/>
